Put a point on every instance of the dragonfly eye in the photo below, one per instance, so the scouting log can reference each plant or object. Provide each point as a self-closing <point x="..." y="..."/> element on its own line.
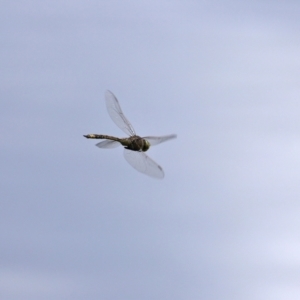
<point x="146" y="146"/>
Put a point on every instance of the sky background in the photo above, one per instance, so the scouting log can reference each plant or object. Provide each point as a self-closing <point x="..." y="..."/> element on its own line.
<point x="78" y="222"/>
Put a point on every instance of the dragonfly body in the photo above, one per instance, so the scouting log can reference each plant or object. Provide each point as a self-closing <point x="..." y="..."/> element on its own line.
<point x="134" y="143"/>
<point x="135" y="146"/>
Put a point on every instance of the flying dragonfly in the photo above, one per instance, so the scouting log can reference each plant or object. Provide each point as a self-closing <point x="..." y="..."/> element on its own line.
<point x="134" y="145"/>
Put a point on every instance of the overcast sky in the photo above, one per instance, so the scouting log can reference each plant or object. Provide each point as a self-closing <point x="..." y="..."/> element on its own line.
<point x="78" y="222"/>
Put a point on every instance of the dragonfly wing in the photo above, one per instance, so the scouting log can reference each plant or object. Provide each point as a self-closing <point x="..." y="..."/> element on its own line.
<point x="155" y="140"/>
<point x="108" y="144"/>
<point x="143" y="163"/>
<point x="116" y="114"/>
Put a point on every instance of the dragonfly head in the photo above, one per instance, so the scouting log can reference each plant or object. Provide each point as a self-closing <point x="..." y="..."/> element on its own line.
<point x="146" y="146"/>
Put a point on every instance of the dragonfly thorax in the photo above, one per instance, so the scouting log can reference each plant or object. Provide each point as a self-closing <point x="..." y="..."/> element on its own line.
<point x="135" y="143"/>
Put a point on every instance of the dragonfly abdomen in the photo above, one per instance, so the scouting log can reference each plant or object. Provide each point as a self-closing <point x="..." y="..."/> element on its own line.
<point x="102" y="137"/>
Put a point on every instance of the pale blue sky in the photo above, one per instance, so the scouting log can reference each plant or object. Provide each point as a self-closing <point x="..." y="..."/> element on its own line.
<point x="78" y="222"/>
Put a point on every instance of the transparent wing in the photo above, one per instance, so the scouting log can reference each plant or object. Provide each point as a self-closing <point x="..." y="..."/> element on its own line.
<point x="116" y="114"/>
<point x="108" y="144"/>
<point x="155" y="140"/>
<point x="143" y="163"/>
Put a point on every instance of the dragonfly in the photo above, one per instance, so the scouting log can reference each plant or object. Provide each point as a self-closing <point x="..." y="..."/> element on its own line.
<point x="134" y="145"/>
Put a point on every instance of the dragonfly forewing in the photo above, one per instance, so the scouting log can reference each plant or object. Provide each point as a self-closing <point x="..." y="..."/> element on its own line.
<point x="116" y="113"/>
<point x="143" y="163"/>
<point x="155" y="140"/>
